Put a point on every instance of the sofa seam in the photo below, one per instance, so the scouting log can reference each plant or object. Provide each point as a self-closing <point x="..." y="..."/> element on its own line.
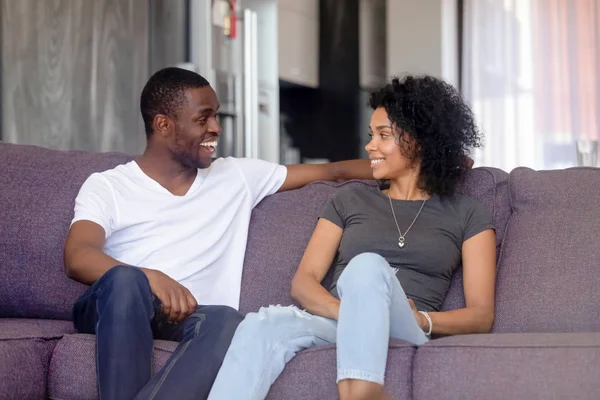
<point x="496" y="203"/>
<point x="501" y="255"/>
<point x="46" y="338"/>
<point x="412" y="374"/>
<point x="331" y="346"/>
<point x="495" y="186"/>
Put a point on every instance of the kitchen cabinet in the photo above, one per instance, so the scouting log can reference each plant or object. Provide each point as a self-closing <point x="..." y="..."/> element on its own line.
<point x="298" y="27"/>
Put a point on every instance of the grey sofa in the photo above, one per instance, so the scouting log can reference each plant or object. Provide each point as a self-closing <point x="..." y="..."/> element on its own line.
<point x="545" y="342"/>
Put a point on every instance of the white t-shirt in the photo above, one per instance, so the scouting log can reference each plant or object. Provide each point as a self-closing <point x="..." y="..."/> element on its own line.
<point x="198" y="239"/>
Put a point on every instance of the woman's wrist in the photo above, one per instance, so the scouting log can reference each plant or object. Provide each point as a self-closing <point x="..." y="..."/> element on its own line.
<point x="422" y="321"/>
<point x="329" y="309"/>
<point x="334" y="309"/>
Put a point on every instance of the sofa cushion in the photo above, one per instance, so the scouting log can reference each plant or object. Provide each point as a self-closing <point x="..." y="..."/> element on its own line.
<point x="280" y="228"/>
<point x="549" y="271"/>
<point x="24" y="368"/>
<point x="282" y="224"/>
<point x="311" y="374"/>
<point x="25" y="349"/>
<point x="72" y="374"/>
<point x="36" y="207"/>
<point x="490" y="187"/>
<point x="509" y="366"/>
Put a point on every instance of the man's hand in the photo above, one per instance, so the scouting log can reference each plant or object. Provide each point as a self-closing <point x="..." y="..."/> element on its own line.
<point x="177" y="301"/>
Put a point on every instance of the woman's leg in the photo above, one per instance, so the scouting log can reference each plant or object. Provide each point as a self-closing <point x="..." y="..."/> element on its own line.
<point x="373" y="308"/>
<point x="263" y="343"/>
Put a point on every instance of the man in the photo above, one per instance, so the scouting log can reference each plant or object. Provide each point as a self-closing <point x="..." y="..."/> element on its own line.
<point x="161" y="241"/>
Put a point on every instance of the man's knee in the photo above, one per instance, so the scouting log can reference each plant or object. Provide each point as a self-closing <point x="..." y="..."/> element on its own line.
<point x="124" y="287"/>
<point x="125" y="276"/>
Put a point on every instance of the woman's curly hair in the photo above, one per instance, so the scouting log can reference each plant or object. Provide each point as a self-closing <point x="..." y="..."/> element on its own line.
<point x="433" y="113"/>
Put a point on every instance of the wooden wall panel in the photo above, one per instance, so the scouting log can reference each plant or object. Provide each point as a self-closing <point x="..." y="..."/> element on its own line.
<point x="168" y="33"/>
<point x="73" y="72"/>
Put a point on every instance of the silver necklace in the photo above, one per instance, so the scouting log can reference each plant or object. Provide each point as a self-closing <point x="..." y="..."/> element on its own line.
<point x="401" y="237"/>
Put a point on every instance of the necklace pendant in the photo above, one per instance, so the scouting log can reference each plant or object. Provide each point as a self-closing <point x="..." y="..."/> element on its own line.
<point x="401" y="242"/>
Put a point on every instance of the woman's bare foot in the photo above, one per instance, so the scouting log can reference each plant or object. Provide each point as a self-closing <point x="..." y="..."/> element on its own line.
<point x="354" y="389"/>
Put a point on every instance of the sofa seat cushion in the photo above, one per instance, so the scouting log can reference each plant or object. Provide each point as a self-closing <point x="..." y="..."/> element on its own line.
<point x="25" y="349"/>
<point x="509" y="366"/>
<point x="24" y="367"/>
<point x="311" y="374"/>
<point x="72" y="372"/>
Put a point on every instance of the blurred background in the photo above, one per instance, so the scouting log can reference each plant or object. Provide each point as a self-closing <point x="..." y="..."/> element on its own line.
<point x="293" y="76"/>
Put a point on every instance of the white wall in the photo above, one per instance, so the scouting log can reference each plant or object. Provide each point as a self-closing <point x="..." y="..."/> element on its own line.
<point x="422" y="38"/>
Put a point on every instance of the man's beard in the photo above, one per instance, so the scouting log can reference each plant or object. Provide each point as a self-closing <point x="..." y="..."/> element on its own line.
<point x="188" y="154"/>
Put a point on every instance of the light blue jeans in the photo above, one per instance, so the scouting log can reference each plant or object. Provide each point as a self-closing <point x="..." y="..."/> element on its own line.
<point x="373" y="308"/>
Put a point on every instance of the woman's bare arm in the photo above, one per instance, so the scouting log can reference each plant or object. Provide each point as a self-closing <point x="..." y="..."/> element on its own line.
<point x="317" y="259"/>
<point x="479" y="282"/>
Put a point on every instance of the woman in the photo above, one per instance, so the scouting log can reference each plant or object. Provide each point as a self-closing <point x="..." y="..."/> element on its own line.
<point x="396" y="246"/>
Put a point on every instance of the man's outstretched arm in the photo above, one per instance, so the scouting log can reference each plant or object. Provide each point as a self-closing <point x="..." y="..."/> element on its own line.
<point x="299" y="175"/>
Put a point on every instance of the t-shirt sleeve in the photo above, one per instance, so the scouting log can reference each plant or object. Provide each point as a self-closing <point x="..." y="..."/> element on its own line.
<point x="477" y="219"/>
<point x="95" y="203"/>
<point x="263" y="178"/>
<point x="334" y="210"/>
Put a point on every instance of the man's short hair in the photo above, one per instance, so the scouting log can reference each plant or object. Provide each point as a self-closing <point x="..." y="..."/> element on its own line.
<point x="164" y="93"/>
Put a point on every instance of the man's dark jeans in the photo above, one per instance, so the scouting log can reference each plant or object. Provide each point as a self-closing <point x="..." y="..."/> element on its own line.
<point x="125" y="316"/>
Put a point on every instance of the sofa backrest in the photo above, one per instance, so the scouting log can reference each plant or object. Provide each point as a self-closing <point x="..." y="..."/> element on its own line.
<point x="37" y="193"/>
<point x="490" y="186"/>
<point x="549" y="275"/>
<point x="282" y="224"/>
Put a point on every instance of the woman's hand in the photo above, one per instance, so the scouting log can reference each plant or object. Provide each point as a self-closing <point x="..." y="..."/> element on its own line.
<point x="318" y="257"/>
<point x="479" y="281"/>
<point x="421" y="320"/>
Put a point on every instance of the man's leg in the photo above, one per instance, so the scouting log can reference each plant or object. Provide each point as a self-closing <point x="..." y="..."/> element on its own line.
<point x="191" y="370"/>
<point x="118" y="309"/>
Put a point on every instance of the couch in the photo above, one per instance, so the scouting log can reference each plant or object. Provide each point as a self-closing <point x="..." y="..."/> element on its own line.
<point x="545" y="342"/>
